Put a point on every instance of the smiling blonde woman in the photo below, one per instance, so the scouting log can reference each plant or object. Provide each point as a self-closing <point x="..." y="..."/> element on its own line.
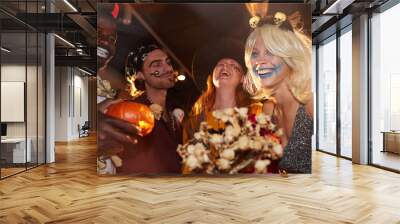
<point x="278" y="59"/>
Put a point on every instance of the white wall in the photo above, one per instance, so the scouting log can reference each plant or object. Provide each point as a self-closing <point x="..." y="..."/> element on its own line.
<point x="71" y="102"/>
<point x="12" y="73"/>
<point x="33" y="127"/>
<point x="61" y="103"/>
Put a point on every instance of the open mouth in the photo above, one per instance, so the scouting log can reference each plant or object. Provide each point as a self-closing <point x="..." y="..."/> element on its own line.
<point x="224" y="75"/>
<point x="265" y="72"/>
<point x="102" y="52"/>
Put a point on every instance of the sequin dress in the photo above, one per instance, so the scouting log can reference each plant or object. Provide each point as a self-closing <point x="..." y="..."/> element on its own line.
<point x="297" y="153"/>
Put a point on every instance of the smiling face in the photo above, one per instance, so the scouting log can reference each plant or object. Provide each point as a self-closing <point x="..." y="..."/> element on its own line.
<point x="106" y="41"/>
<point x="157" y="62"/>
<point x="270" y="68"/>
<point x="227" y="73"/>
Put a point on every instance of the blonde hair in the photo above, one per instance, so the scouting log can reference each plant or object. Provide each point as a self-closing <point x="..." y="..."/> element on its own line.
<point x="295" y="50"/>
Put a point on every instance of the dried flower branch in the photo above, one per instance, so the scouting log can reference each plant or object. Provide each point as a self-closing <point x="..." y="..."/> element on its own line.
<point x="248" y="142"/>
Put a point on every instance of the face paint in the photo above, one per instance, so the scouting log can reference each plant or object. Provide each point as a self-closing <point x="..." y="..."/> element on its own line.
<point x="273" y="71"/>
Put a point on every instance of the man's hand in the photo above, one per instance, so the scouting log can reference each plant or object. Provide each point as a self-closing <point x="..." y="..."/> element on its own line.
<point x="113" y="133"/>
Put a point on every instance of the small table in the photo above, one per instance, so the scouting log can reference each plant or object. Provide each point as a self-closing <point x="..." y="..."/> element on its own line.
<point x="391" y="141"/>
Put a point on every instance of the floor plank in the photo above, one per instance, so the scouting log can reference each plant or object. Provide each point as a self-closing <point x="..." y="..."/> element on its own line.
<point x="69" y="191"/>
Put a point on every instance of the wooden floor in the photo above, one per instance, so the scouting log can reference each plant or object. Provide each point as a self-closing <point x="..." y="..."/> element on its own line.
<point x="70" y="191"/>
<point x="387" y="159"/>
<point x="10" y="171"/>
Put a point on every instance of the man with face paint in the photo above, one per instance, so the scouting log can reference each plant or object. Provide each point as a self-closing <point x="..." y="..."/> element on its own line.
<point x="156" y="152"/>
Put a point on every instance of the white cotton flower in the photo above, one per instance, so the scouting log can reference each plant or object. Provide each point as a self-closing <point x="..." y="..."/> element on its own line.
<point x="192" y="162"/>
<point x="228" y="154"/>
<point x="190" y="149"/>
<point x="278" y="149"/>
<point x="216" y="139"/>
<point x="229" y="111"/>
<point x="256" y="144"/>
<point x="199" y="146"/>
<point x="233" y="131"/>
<point x="242" y="112"/>
<point x="236" y="129"/>
<point x="228" y="138"/>
<point x="202" y="156"/>
<point x="217" y="114"/>
<point x="271" y="126"/>
<point x="248" y="125"/>
<point x="230" y="133"/>
<point x="225" y="118"/>
<point x="198" y="153"/>
<point x="205" y="158"/>
<point x="262" y="118"/>
<point x="223" y="164"/>
<point x="261" y="165"/>
<point x="197" y="135"/>
<point x="229" y="130"/>
<point x="243" y="142"/>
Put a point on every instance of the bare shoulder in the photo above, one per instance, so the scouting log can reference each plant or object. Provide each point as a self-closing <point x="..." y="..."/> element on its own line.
<point x="309" y="106"/>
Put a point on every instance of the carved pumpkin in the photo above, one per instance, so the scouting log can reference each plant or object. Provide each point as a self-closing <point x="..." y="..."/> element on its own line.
<point x="137" y="114"/>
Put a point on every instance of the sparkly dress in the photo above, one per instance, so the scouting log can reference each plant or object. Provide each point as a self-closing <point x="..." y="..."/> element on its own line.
<point x="297" y="153"/>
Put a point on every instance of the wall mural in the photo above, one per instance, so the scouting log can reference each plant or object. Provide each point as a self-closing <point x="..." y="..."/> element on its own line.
<point x="221" y="88"/>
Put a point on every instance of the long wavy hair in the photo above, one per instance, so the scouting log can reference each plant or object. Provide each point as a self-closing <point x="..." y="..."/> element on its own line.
<point x="206" y="101"/>
<point x="204" y="105"/>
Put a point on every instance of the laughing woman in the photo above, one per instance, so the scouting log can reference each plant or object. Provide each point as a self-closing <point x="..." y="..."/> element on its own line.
<point x="278" y="59"/>
<point x="222" y="63"/>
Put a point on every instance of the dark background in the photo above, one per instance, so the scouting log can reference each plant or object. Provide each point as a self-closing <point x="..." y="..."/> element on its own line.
<point x="184" y="28"/>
